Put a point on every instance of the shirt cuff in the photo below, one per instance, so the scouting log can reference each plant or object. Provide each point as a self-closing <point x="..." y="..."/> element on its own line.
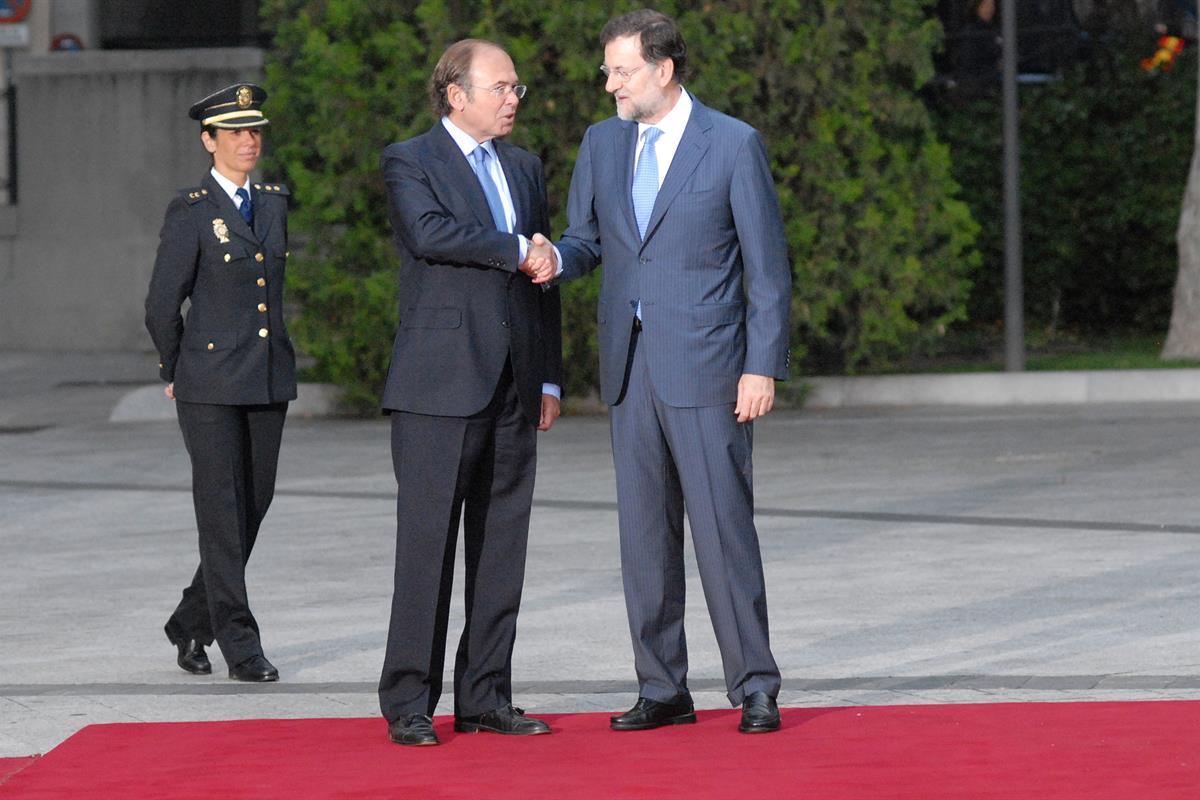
<point x="522" y="248"/>
<point x="553" y="390"/>
<point x="558" y="260"/>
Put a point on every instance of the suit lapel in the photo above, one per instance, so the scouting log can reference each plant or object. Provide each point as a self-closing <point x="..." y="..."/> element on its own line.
<point x="688" y="155"/>
<point x="262" y="217"/>
<point x="460" y="174"/>
<point x="227" y="211"/>
<point x="623" y="148"/>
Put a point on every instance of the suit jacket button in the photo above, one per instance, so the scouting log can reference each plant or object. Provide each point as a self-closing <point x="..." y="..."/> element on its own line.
<point x="504" y="324"/>
<point x="211" y="346"/>
<point x="262" y="307"/>
<point x="261" y="281"/>
<point x="262" y="332"/>
<point x="258" y="257"/>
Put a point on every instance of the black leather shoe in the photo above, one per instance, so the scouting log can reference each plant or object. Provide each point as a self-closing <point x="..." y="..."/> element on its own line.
<point x="192" y="657"/>
<point x="506" y="719"/>
<point x="255" y="669"/>
<point x="647" y="714"/>
<point x="760" y="714"/>
<point x="414" y="729"/>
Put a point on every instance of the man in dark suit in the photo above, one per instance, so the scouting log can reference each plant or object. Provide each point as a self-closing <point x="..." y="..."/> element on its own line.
<point x="678" y="202"/>
<point x="230" y="370"/>
<point x="475" y="372"/>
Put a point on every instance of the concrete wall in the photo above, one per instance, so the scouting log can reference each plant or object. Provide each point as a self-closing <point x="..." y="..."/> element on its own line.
<point x="103" y="141"/>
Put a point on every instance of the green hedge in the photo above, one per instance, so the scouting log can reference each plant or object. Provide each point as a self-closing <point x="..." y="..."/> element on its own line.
<point x="881" y="250"/>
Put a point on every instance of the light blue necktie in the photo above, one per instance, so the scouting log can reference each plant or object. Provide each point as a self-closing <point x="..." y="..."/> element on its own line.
<point x="479" y="162"/>
<point x="645" y="181"/>
<point x="245" y="209"/>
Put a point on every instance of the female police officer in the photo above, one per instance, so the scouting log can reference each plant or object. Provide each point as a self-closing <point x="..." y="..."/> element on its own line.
<point x="230" y="369"/>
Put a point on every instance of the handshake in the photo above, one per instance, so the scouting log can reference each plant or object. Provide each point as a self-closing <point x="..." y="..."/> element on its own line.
<point x="540" y="263"/>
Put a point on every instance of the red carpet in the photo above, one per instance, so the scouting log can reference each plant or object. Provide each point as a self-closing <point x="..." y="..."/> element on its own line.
<point x="1030" y="751"/>
<point x="11" y="766"/>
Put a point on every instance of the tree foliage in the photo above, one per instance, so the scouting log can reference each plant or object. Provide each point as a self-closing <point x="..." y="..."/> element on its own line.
<point x="881" y="249"/>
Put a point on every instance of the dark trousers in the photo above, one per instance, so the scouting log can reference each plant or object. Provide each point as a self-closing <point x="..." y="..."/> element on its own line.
<point x="234" y="452"/>
<point x="668" y="459"/>
<point x="482" y="469"/>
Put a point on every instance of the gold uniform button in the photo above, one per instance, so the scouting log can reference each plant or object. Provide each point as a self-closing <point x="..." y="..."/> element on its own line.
<point x="204" y="191"/>
<point x="258" y="257"/>
<point x="227" y="258"/>
<point x="261" y="281"/>
<point x="211" y="346"/>
<point x="287" y="254"/>
<point x="262" y="307"/>
<point x="258" y="186"/>
<point x="262" y="332"/>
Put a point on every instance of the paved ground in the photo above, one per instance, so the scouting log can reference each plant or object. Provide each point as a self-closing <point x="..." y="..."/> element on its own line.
<point x="912" y="556"/>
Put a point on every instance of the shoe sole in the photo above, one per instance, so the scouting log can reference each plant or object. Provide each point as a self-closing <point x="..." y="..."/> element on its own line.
<point x="758" y="728"/>
<point x="469" y="727"/>
<point x="413" y="744"/>
<point x="682" y="719"/>
<point x="269" y="679"/>
<point x="200" y="671"/>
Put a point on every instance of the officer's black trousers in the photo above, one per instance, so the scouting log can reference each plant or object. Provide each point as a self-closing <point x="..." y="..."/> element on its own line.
<point x="234" y="452"/>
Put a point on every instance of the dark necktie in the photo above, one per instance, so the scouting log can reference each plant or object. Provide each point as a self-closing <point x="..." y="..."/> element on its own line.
<point x="244" y="209"/>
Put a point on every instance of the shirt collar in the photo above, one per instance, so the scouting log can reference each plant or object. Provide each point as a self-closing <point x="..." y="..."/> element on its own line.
<point x="229" y="186"/>
<point x="465" y="141"/>
<point x="675" y="121"/>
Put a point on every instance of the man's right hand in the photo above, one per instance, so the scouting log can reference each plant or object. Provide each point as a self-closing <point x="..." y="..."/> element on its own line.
<point x="169" y="390"/>
<point x="540" y="263"/>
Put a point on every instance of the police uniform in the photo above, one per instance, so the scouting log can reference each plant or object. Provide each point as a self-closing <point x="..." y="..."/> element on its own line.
<point x="233" y="369"/>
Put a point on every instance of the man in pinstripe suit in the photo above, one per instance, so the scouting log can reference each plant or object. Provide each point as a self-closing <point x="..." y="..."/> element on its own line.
<point x="678" y="202"/>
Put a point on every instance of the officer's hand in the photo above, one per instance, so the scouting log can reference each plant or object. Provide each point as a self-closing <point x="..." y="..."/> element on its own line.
<point x="169" y="390"/>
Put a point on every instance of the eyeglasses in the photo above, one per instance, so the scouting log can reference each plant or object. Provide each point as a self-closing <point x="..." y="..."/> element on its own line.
<point x="503" y="89"/>
<point x="620" y="73"/>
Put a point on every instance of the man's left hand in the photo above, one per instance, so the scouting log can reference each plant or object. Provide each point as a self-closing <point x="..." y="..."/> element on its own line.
<point x="551" y="408"/>
<point x="756" y="396"/>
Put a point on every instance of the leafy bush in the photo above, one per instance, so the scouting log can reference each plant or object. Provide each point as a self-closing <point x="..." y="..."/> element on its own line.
<point x="881" y="250"/>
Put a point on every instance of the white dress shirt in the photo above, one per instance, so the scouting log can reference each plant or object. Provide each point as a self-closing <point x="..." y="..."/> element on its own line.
<point x="672" y="126"/>
<point x="230" y="187"/>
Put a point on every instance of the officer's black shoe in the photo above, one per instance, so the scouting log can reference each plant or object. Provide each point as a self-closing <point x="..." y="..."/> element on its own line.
<point x="255" y="669"/>
<point x="413" y="729"/>
<point x="760" y="714"/>
<point x="506" y="719"/>
<point x="647" y="714"/>
<point x="192" y="657"/>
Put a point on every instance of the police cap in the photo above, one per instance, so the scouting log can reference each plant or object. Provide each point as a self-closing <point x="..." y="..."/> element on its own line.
<point x="236" y="106"/>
